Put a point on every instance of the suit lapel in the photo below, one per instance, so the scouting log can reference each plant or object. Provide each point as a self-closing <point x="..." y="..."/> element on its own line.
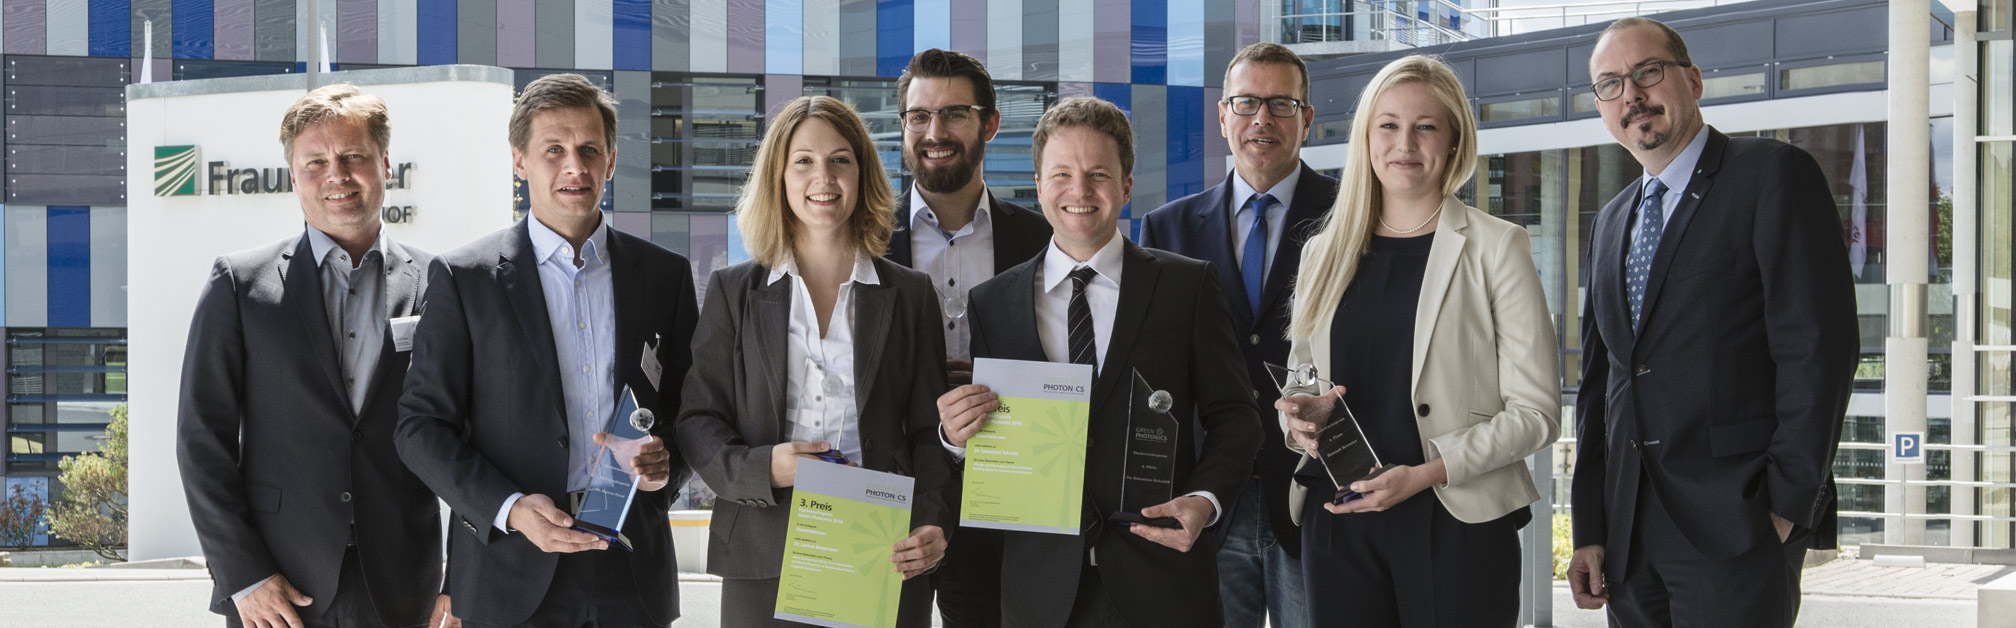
<point x="518" y="273"/>
<point x="1212" y="220"/>
<point x="302" y="284"/>
<point x="1010" y="231"/>
<point x="1606" y="279"/>
<point x="1021" y="340"/>
<point x="402" y="294"/>
<point x="1302" y="218"/>
<point x="773" y="332"/>
<point x="1676" y="226"/>
<point x="626" y="278"/>
<point x="1444" y="255"/>
<point x="874" y="313"/>
<point x="1138" y="272"/>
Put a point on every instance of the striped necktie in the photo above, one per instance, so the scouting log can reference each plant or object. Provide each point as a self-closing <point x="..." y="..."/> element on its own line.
<point x="1084" y="350"/>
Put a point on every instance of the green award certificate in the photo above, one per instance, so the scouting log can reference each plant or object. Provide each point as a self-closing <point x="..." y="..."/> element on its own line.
<point x="844" y="523"/>
<point x="1025" y="468"/>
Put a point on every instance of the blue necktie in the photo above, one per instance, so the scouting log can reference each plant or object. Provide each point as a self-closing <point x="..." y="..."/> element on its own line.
<point x="1253" y="266"/>
<point x="1651" y="225"/>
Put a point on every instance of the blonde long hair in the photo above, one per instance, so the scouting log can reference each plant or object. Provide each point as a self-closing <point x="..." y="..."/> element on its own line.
<point x="1330" y="259"/>
<point x="769" y="227"/>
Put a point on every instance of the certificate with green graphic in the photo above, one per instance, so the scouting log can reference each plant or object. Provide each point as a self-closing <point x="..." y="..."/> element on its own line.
<point x="1025" y="468"/>
<point x="845" y="522"/>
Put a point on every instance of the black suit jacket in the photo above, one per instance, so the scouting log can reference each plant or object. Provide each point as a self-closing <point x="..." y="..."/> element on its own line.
<point x="1019" y="233"/>
<point x="1729" y="397"/>
<point x="1201" y="226"/>
<point x="1183" y="344"/>
<point x="483" y="416"/>
<point x="276" y="465"/>
<point x="734" y="411"/>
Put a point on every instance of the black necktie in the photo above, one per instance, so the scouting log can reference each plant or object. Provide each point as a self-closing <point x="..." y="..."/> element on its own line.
<point x="1084" y="350"/>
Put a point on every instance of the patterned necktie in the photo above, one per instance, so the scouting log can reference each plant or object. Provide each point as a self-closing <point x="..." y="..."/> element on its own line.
<point x="1084" y="350"/>
<point x="1651" y="225"/>
<point x="1253" y="264"/>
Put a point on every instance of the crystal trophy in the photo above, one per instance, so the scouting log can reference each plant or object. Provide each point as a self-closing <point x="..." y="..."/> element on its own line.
<point x="1341" y="446"/>
<point x="611" y="487"/>
<point x="1149" y="470"/>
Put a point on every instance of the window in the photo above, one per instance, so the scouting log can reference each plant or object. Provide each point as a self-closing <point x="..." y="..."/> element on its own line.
<point x="66" y="140"/>
<point x="1548" y="106"/>
<point x="1833" y="75"/>
<point x="62" y="385"/>
<point x="1732" y="85"/>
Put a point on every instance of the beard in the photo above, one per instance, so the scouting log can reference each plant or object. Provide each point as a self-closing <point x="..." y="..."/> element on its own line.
<point x="1652" y="140"/>
<point x="965" y="164"/>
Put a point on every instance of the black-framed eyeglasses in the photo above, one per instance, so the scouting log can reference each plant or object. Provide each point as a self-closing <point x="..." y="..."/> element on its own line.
<point x="1278" y="106"/>
<point x="955" y="116"/>
<point x="1644" y="77"/>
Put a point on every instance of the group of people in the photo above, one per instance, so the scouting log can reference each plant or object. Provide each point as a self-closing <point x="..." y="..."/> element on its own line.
<point x="1718" y="339"/>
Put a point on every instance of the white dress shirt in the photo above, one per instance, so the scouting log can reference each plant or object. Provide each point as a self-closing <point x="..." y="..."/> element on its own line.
<point x="956" y="261"/>
<point x="1277" y="213"/>
<point x="814" y="409"/>
<point x="1676" y="176"/>
<point x="581" y="306"/>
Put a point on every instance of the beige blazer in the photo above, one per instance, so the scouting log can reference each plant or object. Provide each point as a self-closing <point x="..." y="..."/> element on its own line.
<point x="1485" y="367"/>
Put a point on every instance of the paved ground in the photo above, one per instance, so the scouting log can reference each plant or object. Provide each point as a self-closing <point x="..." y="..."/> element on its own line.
<point x="1840" y="594"/>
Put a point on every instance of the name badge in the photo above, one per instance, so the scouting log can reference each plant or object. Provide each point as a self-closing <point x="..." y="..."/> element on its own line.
<point x="652" y="369"/>
<point x="402" y="332"/>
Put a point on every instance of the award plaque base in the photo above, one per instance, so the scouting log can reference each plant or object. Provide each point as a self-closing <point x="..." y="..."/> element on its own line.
<point x="613" y="537"/>
<point x="1127" y="519"/>
<point x="1347" y="495"/>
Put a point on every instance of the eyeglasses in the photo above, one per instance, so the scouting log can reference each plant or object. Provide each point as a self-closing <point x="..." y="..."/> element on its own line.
<point x="955" y="116"/>
<point x="1644" y="77"/>
<point x="1279" y="107"/>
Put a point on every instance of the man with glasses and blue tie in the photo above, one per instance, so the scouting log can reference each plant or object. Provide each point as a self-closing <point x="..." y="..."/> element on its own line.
<point x="1251" y="226"/>
<point x="1719" y="340"/>
<point x="951" y="228"/>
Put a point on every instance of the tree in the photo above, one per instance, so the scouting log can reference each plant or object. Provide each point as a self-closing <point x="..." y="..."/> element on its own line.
<point x="93" y="510"/>
<point x="20" y="517"/>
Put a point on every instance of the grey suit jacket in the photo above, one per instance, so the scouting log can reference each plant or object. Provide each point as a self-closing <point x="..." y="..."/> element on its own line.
<point x="483" y="414"/>
<point x="734" y="409"/>
<point x="275" y="464"/>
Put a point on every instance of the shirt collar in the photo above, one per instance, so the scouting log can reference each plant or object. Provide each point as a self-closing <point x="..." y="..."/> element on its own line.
<point x="545" y="242"/>
<point x="863" y="272"/>
<point x="1057" y="265"/>
<point x="320" y="244"/>
<point x="922" y="216"/>
<point x="1681" y="170"/>
<point x="1283" y="191"/>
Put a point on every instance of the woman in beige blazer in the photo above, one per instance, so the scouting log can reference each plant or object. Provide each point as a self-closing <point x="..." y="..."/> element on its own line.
<point x="1429" y="317"/>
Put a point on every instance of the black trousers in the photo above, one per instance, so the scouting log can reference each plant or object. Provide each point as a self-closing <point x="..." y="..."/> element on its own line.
<point x="968" y="582"/>
<point x="1412" y="566"/>
<point x="1667" y="582"/>
<point x="752" y="603"/>
<point x="352" y="606"/>
<point x="1093" y="608"/>
<point x="592" y="589"/>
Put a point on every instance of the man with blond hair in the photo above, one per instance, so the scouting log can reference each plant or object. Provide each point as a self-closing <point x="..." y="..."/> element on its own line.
<point x="290" y="387"/>
<point x="1091" y="297"/>
<point x="532" y="334"/>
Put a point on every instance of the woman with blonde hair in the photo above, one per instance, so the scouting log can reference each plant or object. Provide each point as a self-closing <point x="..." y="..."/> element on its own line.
<point x="1428" y="316"/>
<point x="815" y="351"/>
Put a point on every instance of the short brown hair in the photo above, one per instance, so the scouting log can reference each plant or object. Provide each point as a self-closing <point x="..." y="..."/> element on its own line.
<point x="1091" y="113"/>
<point x="1269" y="52"/>
<point x="556" y="91"/>
<point x="341" y="100"/>
<point x="1674" y="44"/>
<point x="936" y="63"/>
<point x="763" y="214"/>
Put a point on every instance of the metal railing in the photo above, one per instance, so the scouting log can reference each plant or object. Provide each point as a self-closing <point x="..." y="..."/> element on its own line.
<point x="1436" y="22"/>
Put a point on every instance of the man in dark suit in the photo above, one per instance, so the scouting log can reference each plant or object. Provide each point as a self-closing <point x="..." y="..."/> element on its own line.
<point x="531" y="335"/>
<point x="298" y="348"/>
<point x="1718" y="344"/>
<point x="1251" y="227"/>
<point x="951" y="228"/>
<point x="1087" y="299"/>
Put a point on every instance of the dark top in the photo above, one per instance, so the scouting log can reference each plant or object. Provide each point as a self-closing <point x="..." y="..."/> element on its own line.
<point x="1372" y="345"/>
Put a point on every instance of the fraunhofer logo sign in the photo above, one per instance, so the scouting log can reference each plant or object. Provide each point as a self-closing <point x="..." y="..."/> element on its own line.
<point x="175" y="170"/>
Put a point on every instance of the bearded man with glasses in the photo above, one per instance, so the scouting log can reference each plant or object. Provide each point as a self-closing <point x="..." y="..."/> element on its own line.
<point x="1719" y="340"/>
<point x="951" y="228"/>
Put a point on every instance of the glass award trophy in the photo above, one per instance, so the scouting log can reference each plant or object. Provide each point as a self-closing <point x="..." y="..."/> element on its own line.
<point x="1149" y="470"/>
<point x="610" y="486"/>
<point x="1341" y="446"/>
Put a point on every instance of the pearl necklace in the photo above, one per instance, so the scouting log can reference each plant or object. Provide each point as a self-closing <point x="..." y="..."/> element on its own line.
<point x="1424" y="223"/>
